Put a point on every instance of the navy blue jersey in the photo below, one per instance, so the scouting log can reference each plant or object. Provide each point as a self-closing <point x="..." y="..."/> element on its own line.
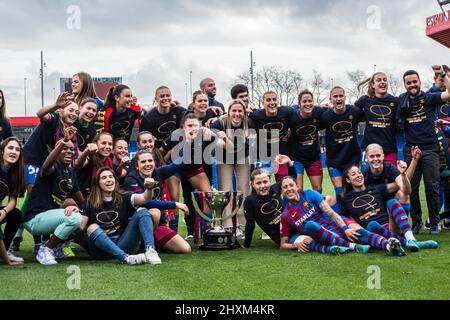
<point x="41" y="142"/>
<point x="111" y="218"/>
<point x="135" y="183"/>
<point x="195" y="157"/>
<point x="5" y="129"/>
<point x="162" y="125"/>
<point x="341" y="131"/>
<point x="5" y="181"/>
<point x="266" y="212"/>
<point x="303" y="141"/>
<point x="51" y="190"/>
<point x="127" y="168"/>
<point x="84" y="177"/>
<point x="209" y="115"/>
<point x="119" y="124"/>
<point x="419" y="115"/>
<point x="388" y="175"/>
<point x="444" y="109"/>
<point x="380" y="114"/>
<point x="85" y="134"/>
<point x="368" y="205"/>
<point x="240" y="141"/>
<point x="278" y="123"/>
<point x="214" y="103"/>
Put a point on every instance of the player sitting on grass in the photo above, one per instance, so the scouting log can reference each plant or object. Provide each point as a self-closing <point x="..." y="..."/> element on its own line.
<point x="264" y="205"/>
<point x="116" y="223"/>
<point x="308" y="213"/>
<point x="370" y="207"/>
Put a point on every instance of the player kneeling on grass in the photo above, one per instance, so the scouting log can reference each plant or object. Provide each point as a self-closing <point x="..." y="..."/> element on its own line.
<point x="307" y="212"/>
<point x="371" y="207"/>
<point x="116" y="223"/>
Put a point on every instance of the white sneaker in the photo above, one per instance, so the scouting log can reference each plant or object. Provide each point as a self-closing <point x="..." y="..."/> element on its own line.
<point x="264" y="236"/>
<point x="45" y="256"/>
<point x="13" y="258"/>
<point x="135" y="259"/>
<point x="152" y="256"/>
<point x="189" y="237"/>
<point x="239" y="233"/>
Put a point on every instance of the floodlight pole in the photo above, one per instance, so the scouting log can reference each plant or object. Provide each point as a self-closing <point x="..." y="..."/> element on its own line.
<point x="42" y="78"/>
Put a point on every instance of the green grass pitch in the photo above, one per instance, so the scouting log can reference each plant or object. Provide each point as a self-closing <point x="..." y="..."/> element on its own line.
<point x="261" y="272"/>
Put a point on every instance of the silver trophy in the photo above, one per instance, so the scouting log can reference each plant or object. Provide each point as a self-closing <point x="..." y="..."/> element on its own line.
<point x="216" y="237"/>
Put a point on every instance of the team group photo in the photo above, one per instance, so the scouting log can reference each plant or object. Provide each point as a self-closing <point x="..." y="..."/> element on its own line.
<point x="141" y="162"/>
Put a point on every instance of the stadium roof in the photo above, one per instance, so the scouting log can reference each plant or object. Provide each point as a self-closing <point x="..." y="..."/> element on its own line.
<point x="438" y="27"/>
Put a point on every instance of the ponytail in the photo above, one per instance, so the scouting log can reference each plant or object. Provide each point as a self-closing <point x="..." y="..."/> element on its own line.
<point x="112" y="93"/>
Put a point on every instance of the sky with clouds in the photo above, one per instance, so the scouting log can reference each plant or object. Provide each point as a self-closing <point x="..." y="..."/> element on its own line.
<point x="152" y="43"/>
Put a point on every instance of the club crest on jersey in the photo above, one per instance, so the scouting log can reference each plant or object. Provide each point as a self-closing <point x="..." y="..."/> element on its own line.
<point x="305" y="204"/>
<point x="350" y="118"/>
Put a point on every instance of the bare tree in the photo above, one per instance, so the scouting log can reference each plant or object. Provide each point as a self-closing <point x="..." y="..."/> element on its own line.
<point x="319" y="87"/>
<point x="394" y="83"/>
<point x="286" y="83"/>
<point x="355" y="78"/>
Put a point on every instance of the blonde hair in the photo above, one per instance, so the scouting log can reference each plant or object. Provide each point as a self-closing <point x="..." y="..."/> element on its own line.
<point x="226" y="119"/>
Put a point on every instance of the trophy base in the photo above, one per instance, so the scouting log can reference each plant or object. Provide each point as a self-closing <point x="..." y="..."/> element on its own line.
<point x="219" y="240"/>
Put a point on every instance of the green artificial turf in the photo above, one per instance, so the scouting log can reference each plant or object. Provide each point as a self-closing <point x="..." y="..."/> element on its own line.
<point x="261" y="272"/>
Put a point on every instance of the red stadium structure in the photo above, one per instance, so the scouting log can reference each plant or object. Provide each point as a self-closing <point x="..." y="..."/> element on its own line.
<point x="22" y="127"/>
<point x="438" y="26"/>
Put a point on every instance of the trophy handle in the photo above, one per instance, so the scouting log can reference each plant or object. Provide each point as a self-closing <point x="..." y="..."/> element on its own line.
<point x="197" y="208"/>
<point x="239" y="202"/>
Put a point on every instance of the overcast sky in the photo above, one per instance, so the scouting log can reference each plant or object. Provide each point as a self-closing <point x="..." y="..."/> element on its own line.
<point x="151" y="43"/>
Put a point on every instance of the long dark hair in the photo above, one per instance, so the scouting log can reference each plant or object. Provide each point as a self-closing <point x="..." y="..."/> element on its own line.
<point x="368" y="83"/>
<point x="347" y="187"/>
<point x="3" y="106"/>
<point x="16" y="174"/>
<point x="96" y="196"/>
<point x="98" y="163"/>
<point x="114" y="92"/>
<point x="187" y="116"/>
<point x="157" y="156"/>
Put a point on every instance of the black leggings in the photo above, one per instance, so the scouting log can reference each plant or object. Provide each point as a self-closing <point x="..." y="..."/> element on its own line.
<point x="13" y="221"/>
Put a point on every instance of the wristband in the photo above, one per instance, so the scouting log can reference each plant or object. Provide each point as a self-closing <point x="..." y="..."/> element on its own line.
<point x="344" y="228"/>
